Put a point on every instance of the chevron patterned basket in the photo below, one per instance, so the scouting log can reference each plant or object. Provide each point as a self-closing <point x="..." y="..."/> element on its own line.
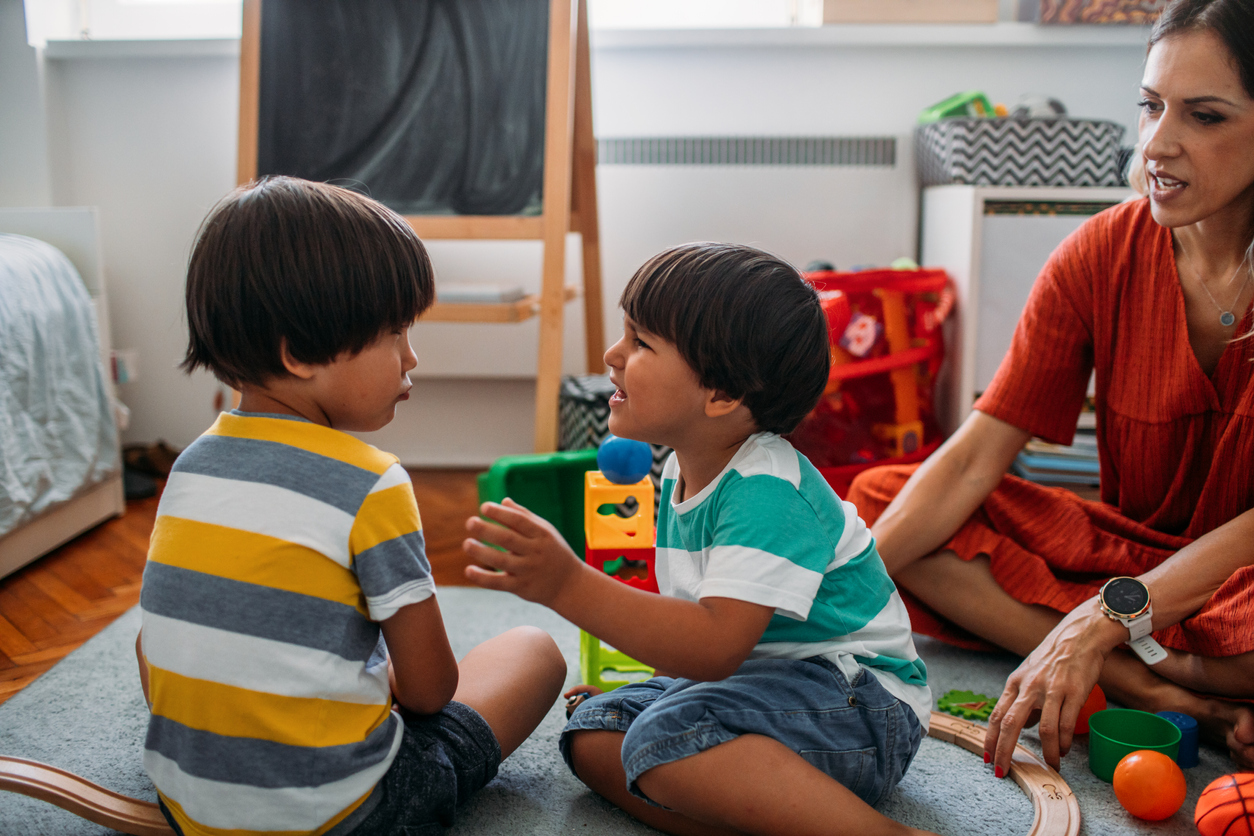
<point x="1019" y="152"/>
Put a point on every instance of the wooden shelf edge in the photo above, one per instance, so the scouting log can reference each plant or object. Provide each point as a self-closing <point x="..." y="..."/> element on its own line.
<point x="524" y="308"/>
<point x="516" y="227"/>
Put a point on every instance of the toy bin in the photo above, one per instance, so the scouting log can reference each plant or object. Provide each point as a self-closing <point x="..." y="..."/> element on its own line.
<point x="1008" y="151"/>
<point x="887" y="348"/>
<point x="550" y="484"/>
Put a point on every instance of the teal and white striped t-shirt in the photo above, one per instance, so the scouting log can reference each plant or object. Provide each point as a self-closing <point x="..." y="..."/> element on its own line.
<point x="771" y="531"/>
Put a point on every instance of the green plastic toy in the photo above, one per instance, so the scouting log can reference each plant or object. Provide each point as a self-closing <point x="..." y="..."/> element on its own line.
<point x="549" y="484"/>
<point x="969" y="105"/>
<point x="966" y="704"/>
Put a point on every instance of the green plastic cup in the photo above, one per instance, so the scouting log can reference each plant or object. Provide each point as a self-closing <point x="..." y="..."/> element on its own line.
<point x="1115" y="732"/>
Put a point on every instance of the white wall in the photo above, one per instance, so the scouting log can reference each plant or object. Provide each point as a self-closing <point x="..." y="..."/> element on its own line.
<point x="151" y="141"/>
<point x="23" y="136"/>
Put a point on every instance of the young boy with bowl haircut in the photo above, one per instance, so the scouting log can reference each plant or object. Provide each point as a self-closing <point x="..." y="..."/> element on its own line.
<point x="285" y="550"/>
<point x="788" y="696"/>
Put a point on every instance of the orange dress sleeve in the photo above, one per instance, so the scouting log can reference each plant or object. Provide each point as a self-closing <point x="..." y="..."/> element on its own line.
<point x="1041" y="382"/>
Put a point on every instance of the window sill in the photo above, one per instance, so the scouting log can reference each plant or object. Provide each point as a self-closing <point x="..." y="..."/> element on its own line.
<point x="1002" y="34"/>
<point x="1005" y="34"/>
<point x="154" y="48"/>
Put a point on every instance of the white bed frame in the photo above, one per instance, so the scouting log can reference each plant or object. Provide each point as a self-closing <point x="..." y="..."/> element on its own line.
<point x="76" y="232"/>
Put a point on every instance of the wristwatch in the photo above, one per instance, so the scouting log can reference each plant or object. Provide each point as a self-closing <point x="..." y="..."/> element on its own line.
<point x="1127" y="601"/>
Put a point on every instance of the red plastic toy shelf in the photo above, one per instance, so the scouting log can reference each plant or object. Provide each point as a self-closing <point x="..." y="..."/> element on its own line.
<point x="878" y="365"/>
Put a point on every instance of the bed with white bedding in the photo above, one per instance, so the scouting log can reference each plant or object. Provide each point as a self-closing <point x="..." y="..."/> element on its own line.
<point x="60" y="468"/>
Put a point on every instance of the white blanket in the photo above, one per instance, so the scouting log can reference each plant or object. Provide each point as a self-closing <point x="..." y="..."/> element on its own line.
<point x="57" y="435"/>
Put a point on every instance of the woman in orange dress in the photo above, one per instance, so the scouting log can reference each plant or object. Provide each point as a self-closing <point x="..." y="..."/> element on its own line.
<point x="1155" y="297"/>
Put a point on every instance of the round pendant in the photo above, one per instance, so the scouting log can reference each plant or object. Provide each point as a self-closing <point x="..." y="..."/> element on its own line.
<point x="1227" y="318"/>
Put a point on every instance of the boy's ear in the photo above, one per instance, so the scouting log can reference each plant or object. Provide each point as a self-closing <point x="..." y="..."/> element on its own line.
<point x="718" y="404"/>
<point x="294" y="367"/>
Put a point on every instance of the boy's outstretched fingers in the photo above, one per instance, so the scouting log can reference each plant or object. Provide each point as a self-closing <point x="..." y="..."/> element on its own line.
<point x="531" y="558"/>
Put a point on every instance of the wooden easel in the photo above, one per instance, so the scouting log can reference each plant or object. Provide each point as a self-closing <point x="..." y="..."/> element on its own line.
<point x="570" y="204"/>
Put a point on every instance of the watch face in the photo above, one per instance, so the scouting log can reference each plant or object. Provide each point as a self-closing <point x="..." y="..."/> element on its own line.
<point x="1125" y="596"/>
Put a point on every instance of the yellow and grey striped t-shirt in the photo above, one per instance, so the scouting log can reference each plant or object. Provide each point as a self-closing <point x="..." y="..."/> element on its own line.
<point x="278" y="547"/>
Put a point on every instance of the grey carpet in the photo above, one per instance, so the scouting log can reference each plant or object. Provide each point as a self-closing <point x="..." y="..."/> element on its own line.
<point x="87" y="715"/>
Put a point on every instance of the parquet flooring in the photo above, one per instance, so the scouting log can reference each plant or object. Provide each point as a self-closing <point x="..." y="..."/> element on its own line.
<point x="53" y="605"/>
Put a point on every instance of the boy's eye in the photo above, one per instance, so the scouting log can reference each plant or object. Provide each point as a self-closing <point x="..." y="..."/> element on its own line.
<point x="641" y="343"/>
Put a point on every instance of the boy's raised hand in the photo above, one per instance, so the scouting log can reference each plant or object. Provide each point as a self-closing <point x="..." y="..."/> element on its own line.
<point x="536" y="562"/>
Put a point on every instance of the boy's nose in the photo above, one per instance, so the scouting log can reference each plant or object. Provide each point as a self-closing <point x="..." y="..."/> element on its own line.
<point x="613" y="354"/>
<point x="410" y="357"/>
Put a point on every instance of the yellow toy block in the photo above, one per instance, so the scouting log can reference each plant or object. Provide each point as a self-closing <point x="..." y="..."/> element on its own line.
<point x="609" y="530"/>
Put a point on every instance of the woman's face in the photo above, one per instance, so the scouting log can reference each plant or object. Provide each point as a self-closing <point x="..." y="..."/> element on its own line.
<point x="1196" y="130"/>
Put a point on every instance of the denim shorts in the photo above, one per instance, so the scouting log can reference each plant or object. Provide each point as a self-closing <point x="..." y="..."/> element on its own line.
<point x="856" y="732"/>
<point x="444" y="758"/>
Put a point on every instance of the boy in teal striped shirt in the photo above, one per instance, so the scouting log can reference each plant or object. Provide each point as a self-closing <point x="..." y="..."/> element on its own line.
<point x="788" y="696"/>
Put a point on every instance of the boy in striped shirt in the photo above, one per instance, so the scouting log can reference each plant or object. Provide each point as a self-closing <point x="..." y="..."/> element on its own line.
<point x="285" y="550"/>
<point x="788" y="696"/>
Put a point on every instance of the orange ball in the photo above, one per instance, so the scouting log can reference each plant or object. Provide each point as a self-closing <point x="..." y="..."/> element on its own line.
<point x="1226" y="806"/>
<point x="1149" y="785"/>
<point x="1095" y="703"/>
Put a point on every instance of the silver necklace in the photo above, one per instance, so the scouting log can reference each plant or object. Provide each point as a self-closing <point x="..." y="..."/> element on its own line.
<point x="1226" y="317"/>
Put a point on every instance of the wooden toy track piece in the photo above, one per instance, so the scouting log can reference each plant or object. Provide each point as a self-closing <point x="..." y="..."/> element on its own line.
<point x="1055" y="809"/>
<point x="82" y="798"/>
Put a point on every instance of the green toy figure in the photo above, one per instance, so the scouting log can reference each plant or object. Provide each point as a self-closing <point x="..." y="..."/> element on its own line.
<point x="967" y="705"/>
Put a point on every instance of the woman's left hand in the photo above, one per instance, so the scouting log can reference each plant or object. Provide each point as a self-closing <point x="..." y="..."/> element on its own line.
<point x="1053" y="683"/>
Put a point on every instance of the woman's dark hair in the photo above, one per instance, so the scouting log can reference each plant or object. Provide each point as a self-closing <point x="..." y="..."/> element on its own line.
<point x="1232" y="21"/>
<point x="744" y="320"/>
<point x="324" y="269"/>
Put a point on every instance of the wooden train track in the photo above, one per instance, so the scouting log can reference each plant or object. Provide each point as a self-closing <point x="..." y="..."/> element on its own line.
<point x="1056" y="810"/>
<point x="82" y="798"/>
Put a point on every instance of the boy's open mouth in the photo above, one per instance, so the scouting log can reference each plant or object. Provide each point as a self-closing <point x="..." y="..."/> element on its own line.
<point x="618" y="397"/>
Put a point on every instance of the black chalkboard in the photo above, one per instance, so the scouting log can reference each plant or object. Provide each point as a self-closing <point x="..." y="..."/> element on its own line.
<point x="430" y="106"/>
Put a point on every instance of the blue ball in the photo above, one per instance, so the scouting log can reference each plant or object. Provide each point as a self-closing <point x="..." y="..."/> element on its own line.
<point x="623" y="460"/>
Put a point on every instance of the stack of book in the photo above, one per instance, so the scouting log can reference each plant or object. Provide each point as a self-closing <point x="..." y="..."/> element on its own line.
<point x="1053" y="464"/>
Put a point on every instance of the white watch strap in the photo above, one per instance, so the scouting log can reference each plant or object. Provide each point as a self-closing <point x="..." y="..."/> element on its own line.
<point x="1139" y="626"/>
<point x="1150" y="651"/>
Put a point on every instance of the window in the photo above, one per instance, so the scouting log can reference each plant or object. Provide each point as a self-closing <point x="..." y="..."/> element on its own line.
<point x="194" y="19"/>
<point x="131" y="19"/>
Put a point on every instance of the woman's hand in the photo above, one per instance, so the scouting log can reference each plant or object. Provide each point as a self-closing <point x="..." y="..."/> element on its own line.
<point x="536" y="562"/>
<point x="1053" y="683"/>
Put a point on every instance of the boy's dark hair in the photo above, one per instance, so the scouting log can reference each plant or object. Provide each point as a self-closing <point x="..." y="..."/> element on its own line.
<point x="325" y="269"/>
<point x="744" y="320"/>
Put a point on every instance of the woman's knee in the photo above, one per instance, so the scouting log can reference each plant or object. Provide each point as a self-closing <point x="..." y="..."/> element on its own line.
<point x="872" y="490"/>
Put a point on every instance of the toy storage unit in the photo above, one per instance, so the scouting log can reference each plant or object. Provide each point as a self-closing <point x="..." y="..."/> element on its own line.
<point x="887" y="348"/>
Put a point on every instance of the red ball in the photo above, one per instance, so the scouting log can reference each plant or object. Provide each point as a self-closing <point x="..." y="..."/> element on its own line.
<point x="1149" y="785"/>
<point x="1095" y="703"/>
<point x="1226" y="806"/>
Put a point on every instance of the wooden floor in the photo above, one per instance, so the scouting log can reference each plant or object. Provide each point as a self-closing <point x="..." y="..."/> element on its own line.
<point x="63" y="599"/>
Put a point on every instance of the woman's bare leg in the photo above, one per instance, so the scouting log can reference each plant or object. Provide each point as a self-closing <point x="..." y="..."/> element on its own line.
<point x="965" y="592"/>
<point x="752" y="784"/>
<point x="512" y="680"/>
